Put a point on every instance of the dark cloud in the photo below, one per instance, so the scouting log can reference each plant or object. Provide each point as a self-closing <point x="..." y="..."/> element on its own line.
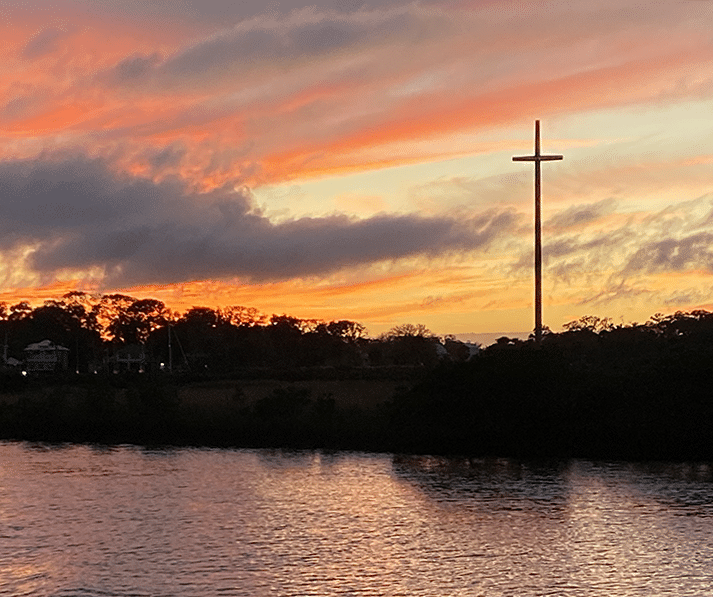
<point x="79" y="215"/>
<point x="214" y="12"/>
<point x="166" y="157"/>
<point x="566" y="255"/>
<point x="18" y="106"/>
<point x="604" y="243"/>
<point x="135" y="67"/>
<point x="614" y="263"/>
<point x="688" y="296"/>
<point x="673" y="254"/>
<point x="305" y="34"/>
<point x="274" y="37"/>
<point x="45" y="42"/>
<point x="614" y="290"/>
<point x="582" y="214"/>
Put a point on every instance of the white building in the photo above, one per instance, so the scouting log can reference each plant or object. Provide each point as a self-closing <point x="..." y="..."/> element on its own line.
<point x="46" y="356"/>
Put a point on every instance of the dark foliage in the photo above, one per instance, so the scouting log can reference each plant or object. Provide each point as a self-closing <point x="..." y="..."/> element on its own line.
<point x="640" y="392"/>
<point x="596" y="390"/>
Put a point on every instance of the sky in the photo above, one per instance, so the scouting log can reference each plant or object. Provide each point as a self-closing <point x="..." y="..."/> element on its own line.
<point x="353" y="160"/>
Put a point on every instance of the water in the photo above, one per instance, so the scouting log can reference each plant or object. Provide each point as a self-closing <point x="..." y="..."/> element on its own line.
<point x="89" y="522"/>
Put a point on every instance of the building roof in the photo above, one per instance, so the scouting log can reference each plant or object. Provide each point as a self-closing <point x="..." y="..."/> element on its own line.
<point x="45" y="345"/>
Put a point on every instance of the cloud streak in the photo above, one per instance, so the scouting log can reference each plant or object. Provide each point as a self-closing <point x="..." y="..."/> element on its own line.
<point x="77" y="215"/>
<point x="300" y="87"/>
<point x="585" y="250"/>
<point x="44" y="42"/>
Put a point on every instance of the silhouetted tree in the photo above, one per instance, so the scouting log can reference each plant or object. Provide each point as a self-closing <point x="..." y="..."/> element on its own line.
<point x="591" y="323"/>
<point x="410" y="344"/>
<point x="243" y="316"/>
<point x="284" y="334"/>
<point x="19" y="311"/>
<point x="345" y="329"/>
<point x="134" y="324"/>
<point x="408" y="330"/>
<point x="108" y="312"/>
<point x="457" y="350"/>
<point x="201" y="332"/>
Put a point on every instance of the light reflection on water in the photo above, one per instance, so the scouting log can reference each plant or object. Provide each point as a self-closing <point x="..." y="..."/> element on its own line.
<point x="82" y="521"/>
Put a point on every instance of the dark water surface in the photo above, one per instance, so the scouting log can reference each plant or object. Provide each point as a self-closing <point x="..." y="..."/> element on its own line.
<point x="88" y="522"/>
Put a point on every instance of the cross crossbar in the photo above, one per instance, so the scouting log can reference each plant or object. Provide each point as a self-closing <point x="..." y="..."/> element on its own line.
<point x="537" y="158"/>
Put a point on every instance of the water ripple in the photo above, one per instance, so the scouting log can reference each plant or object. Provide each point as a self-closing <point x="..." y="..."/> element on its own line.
<point x="125" y="522"/>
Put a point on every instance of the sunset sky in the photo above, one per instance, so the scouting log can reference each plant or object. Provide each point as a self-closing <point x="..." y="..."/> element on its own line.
<point x="350" y="160"/>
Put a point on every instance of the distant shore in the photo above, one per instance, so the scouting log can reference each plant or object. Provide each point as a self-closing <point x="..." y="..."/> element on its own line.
<point x="251" y="412"/>
<point x="629" y="394"/>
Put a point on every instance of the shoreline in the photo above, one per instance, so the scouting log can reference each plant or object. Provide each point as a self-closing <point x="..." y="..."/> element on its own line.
<point x="510" y="403"/>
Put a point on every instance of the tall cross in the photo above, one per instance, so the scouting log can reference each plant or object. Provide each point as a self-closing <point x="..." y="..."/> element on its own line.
<point x="537" y="158"/>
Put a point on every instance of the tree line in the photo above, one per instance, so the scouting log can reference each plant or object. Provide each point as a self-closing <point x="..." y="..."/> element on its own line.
<point x="595" y="390"/>
<point x="202" y="339"/>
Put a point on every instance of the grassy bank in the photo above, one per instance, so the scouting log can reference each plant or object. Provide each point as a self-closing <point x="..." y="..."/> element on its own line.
<point x="304" y="413"/>
<point x="633" y="402"/>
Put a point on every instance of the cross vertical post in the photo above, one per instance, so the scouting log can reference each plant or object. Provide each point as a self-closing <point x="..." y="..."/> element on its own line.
<point x="537" y="158"/>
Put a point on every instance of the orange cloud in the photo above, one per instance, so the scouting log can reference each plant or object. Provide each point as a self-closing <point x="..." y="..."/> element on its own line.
<point x="56" y="119"/>
<point x="37" y="295"/>
<point x="445" y="113"/>
<point x="440" y="115"/>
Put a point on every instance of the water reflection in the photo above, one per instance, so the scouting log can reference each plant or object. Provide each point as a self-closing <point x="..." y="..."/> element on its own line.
<point x="546" y="486"/>
<point x="592" y="528"/>
<point x="489" y="484"/>
<point x="76" y="520"/>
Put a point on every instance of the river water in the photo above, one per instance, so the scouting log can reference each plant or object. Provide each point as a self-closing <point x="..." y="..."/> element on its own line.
<point x="94" y="522"/>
